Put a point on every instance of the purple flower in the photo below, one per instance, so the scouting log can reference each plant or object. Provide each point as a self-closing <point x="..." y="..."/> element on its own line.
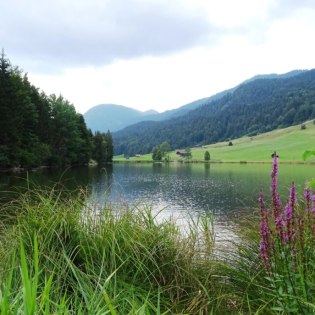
<point x="307" y="198"/>
<point x="265" y="233"/>
<point x="313" y="202"/>
<point x="280" y="227"/>
<point x="276" y="202"/>
<point x="289" y="215"/>
<point x="313" y="212"/>
<point x="308" y="204"/>
<point x="301" y="231"/>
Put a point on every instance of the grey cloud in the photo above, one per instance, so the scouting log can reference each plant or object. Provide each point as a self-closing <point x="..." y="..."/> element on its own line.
<point x="56" y="33"/>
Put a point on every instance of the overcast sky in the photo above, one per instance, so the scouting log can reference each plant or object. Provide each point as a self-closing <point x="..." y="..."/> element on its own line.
<point x="154" y="54"/>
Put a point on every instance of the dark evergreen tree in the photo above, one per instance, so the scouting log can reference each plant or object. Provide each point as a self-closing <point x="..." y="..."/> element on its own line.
<point x="36" y="129"/>
<point x="103" y="148"/>
<point x="156" y="154"/>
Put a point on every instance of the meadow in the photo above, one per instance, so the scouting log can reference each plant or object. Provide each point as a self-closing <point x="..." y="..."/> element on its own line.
<point x="290" y="143"/>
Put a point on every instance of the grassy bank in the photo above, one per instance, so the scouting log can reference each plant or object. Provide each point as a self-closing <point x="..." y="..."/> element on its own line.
<point x="58" y="260"/>
<point x="61" y="255"/>
<point x="290" y="143"/>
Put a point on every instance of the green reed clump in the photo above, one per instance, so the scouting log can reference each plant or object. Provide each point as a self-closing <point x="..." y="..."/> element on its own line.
<point x="62" y="257"/>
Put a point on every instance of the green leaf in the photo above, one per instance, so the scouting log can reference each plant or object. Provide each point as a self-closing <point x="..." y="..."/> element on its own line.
<point x="109" y="303"/>
<point x="311" y="184"/>
<point x="308" y="153"/>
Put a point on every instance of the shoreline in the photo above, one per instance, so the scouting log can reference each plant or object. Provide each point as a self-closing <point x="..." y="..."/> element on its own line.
<point x="212" y="162"/>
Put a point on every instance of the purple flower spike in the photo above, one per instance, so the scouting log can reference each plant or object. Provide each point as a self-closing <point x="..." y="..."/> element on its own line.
<point x="280" y="227"/>
<point x="289" y="215"/>
<point x="307" y="198"/>
<point x="276" y="203"/>
<point x="265" y="233"/>
<point x="313" y="207"/>
<point x="313" y="212"/>
<point x="275" y="199"/>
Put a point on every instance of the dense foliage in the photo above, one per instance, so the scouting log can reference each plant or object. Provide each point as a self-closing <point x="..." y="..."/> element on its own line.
<point x="161" y="151"/>
<point x="37" y="129"/>
<point x="103" y="147"/>
<point x="255" y="107"/>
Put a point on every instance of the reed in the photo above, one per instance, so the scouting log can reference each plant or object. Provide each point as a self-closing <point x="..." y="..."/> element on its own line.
<point x="63" y="257"/>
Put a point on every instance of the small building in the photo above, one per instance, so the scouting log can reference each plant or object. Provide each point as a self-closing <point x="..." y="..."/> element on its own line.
<point x="183" y="154"/>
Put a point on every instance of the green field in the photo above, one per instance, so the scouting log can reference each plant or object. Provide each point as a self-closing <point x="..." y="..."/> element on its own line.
<point x="290" y="143"/>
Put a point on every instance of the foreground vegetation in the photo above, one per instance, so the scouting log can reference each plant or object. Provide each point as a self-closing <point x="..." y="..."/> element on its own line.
<point x="56" y="259"/>
<point x="62" y="255"/>
<point x="288" y="142"/>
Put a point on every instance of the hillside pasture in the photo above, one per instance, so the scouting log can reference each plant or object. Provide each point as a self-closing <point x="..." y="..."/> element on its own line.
<point x="290" y="143"/>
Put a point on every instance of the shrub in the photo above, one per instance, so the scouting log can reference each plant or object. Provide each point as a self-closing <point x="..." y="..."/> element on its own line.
<point x="207" y="156"/>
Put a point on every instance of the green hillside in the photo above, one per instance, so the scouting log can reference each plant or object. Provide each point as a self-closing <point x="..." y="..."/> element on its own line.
<point x="290" y="143"/>
<point x="252" y="108"/>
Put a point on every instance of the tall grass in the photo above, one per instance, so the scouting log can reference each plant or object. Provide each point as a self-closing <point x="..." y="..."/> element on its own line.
<point x="60" y="257"/>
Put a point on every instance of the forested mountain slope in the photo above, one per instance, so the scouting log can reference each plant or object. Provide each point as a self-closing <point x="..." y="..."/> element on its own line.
<point x="114" y="117"/>
<point x="254" y="107"/>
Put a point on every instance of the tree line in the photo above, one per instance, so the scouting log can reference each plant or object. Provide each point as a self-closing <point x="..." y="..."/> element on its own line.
<point x="255" y="107"/>
<point x="37" y="129"/>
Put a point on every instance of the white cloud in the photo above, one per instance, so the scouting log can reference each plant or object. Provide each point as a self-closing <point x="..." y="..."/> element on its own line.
<point x="156" y="54"/>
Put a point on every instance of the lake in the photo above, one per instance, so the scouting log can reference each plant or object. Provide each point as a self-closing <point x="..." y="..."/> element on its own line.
<point x="230" y="191"/>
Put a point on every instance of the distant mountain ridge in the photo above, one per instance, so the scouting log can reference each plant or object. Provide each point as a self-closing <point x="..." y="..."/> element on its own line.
<point x="114" y="117"/>
<point x="261" y="104"/>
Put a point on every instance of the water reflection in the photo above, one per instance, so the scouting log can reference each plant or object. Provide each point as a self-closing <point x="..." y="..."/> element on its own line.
<point x="230" y="191"/>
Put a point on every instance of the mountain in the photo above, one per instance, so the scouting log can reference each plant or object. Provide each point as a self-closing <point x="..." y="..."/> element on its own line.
<point x="287" y="75"/>
<point x="114" y="117"/>
<point x="262" y="104"/>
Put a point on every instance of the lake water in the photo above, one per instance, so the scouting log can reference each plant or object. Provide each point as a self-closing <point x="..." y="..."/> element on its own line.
<point x="230" y="191"/>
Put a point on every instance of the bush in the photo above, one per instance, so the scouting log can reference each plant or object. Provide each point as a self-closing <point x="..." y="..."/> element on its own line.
<point x="157" y="154"/>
